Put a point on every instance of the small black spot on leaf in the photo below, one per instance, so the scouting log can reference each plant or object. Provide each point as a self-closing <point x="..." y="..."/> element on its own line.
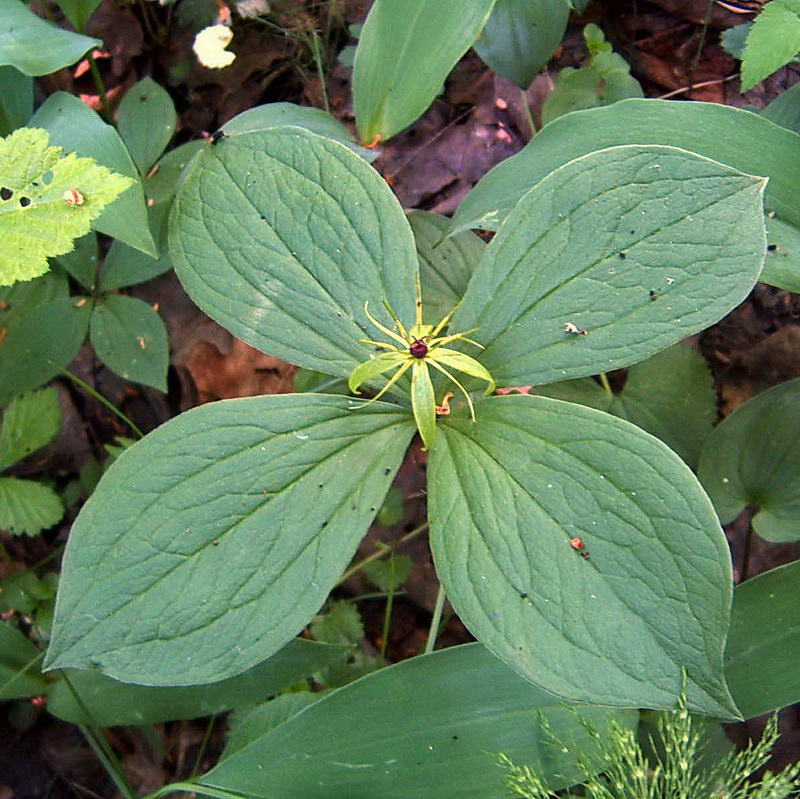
<point x="24" y="202"/>
<point x="6" y="194"/>
<point x="622" y="256"/>
<point x="772" y="247"/>
<point x="387" y="470"/>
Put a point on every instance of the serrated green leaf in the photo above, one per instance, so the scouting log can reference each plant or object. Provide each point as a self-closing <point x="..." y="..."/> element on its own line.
<point x="39" y="342"/>
<point x="429" y="726"/>
<point x="272" y="276"/>
<point x="81" y="262"/>
<point x="130" y="338"/>
<point x="389" y="574"/>
<point x="632" y="245"/>
<point x="753" y="459"/>
<point x="30" y="422"/>
<point x="18" y="678"/>
<point x="720" y="132"/>
<point x="670" y="395"/>
<point x="509" y="493"/>
<point x="146" y="121"/>
<point x="216" y="538"/>
<point x="764" y="641"/>
<point x="772" y="42"/>
<point x="110" y="702"/>
<point x="76" y="128"/>
<point x="339" y="624"/>
<point x="16" y="99"/>
<point x="36" y="47"/>
<point x="520" y="37"/>
<point x="27" y="507"/>
<point x="445" y="264"/>
<point x="39" y="217"/>
<point x="405" y="52"/>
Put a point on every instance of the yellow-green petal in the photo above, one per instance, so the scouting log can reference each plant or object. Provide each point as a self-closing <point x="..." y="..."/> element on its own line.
<point x="463" y="363"/>
<point x="374" y="367"/>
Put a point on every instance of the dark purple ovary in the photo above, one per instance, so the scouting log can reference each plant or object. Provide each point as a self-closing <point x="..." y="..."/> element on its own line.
<point x="418" y="348"/>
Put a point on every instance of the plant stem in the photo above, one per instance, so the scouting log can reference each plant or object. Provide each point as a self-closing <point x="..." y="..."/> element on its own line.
<point x="316" y="53"/>
<point x="203" y="747"/>
<point x="379" y="553"/>
<point x="433" y="632"/>
<point x="100" y="398"/>
<point x="527" y="108"/>
<point x="194" y="788"/>
<point x="699" y="53"/>
<point x="387" y="613"/>
<point x="101" y="88"/>
<point x="27" y="667"/>
<point x="605" y="384"/>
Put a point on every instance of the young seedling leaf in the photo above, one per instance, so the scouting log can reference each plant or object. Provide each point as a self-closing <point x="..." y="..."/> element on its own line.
<point x="30" y="422"/>
<point x="130" y="338"/>
<point x="210" y="543"/>
<point x="670" y="395"/>
<point x="47" y="200"/>
<point x="753" y="459"/>
<point x="611" y="258"/>
<point x="429" y="726"/>
<point x="293" y="284"/>
<point x="39" y="341"/>
<point x="36" y="47"/>
<point x="764" y="642"/>
<point x="772" y="42"/>
<point x="17" y="678"/>
<point x="146" y="121"/>
<point x="582" y="552"/>
<point x="445" y="264"/>
<point x="76" y="128"/>
<point x="520" y="37"/>
<point x="405" y="52"/>
<point x="111" y="702"/>
<point x="27" y="507"/>
<point x="716" y="131"/>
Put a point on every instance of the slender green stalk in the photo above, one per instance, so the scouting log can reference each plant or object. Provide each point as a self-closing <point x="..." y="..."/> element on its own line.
<point x="433" y="632"/>
<point x="203" y="747"/>
<point x="387" y="613"/>
<point x="379" y="553"/>
<point x="27" y="667"/>
<point x="101" y="88"/>
<point x="605" y="384"/>
<point x="194" y="788"/>
<point x="316" y="53"/>
<point x="527" y="109"/>
<point x="100" y="398"/>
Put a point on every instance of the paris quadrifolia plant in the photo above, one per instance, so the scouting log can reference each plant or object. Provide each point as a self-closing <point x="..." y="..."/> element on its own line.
<point x="578" y="549"/>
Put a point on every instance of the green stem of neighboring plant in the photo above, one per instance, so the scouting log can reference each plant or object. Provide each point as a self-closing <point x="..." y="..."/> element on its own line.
<point x="100" y="398"/>
<point x="605" y="384"/>
<point x="203" y="746"/>
<point x="194" y="789"/>
<point x="433" y="632"/>
<point x="101" y="88"/>
<point x="316" y="53"/>
<point x="380" y="553"/>
<point x="387" y="613"/>
<point x="527" y="108"/>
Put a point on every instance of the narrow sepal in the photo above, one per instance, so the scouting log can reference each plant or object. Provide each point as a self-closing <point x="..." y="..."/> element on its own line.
<point x="466" y="364"/>
<point x="423" y="403"/>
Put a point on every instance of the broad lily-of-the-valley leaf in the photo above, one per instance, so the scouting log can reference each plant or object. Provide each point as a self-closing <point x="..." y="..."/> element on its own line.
<point x="214" y="540"/>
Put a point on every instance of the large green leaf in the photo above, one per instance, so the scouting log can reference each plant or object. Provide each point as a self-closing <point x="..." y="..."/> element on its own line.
<point x="110" y="702"/>
<point x="16" y="99"/>
<point x="276" y="115"/>
<point x="429" y="726"/>
<point x="76" y="128"/>
<point x="282" y="236"/>
<point x="721" y="132"/>
<point x="18" y="678"/>
<point x="784" y="110"/>
<point x="507" y="496"/>
<point x="125" y="266"/>
<point x="81" y="262"/>
<point x="445" y="264"/>
<point x="28" y="507"/>
<point x="211" y="542"/>
<point x="521" y="36"/>
<point x="635" y="246"/>
<point x="146" y="121"/>
<point x="764" y="642"/>
<point x="46" y="201"/>
<point x="34" y="46"/>
<point x="753" y="459"/>
<point x="405" y="51"/>
<point x="78" y="12"/>
<point x="670" y="395"/>
<point x="30" y="422"/>
<point x="130" y="338"/>
<point x="782" y="267"/>
<point x="39" y="342"/>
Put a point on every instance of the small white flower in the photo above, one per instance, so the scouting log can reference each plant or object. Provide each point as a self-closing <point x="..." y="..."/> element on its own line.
<point x="209" y="46"/>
